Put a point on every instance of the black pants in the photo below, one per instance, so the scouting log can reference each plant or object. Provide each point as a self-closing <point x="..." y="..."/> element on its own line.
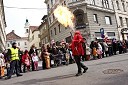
<point x="20" y="64"/>
<point x="32" y="63"/>
<point x="43" y="64"/>
<point x="14" y="65"/>
<point x="79" y="63"/>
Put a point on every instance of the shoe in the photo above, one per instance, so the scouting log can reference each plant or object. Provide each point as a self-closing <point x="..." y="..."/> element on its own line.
<point x="78" y="74"/>
<point x="19" y="75"/>
<point x="8" y="77"/>
<point x="85" y="69"/>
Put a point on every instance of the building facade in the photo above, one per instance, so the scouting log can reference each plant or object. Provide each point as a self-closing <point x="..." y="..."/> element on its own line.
<point x="2" y="27"/>
<point x="22" y="42"/>
<point x="121" y="12"/>
<point x="91" y="16"/>
<point x="33" y="37"/>
<point x="44" y="31"/>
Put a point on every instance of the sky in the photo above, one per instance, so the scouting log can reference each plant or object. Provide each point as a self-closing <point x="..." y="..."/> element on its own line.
<point x="15" y="18"/>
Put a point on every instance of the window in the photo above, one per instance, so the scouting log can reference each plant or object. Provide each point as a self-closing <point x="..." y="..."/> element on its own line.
<point x="18" y="43"/>
<point x="51" y="2"/>
<point x="97" y="34"/>
<point x="46" y="39"/>
<point x="105" y="3"/>
<point x="64" y="2"/>
<point x="48" y="7"/>
<point x="126" y="21"/>
<point x="123" y="7"/>
<point x="93" y="2"/>
<point x="51" y="32"/>
<point x="68" y="39"/>
<point x="53" y="17"/>
<point x="55" y="30"/>
<point x="95" y="18"/>
<point x="121" y="21"/>
<point x="59" y="28"/>
<point x="74" y="0"/>
<point x="33" y="37"/>
<point x="117" y="3"/>
<point x="127" y="4"/>
<point x="38" y="35"/>
<point x="8" y="45"/>
<point x="108" y="20"/>
<point x="25" y="43"/>
<point x="111" y="33"/>
<point x="26" y="30"/>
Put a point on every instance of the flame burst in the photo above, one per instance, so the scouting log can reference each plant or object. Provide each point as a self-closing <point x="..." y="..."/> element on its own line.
<point x="64" y="16"/>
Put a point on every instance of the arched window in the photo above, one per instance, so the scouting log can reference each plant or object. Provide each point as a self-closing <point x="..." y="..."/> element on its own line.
<point x="79" y="15"/>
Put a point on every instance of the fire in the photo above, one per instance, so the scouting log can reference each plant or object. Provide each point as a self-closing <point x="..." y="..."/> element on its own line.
<point x="64" y="16"/>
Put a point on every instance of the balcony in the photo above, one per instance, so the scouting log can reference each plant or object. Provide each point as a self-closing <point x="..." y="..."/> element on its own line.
<point x="77" y="3"/>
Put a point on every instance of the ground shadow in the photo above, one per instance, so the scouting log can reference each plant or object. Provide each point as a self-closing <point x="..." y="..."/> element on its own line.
<point x="34" y="81"/>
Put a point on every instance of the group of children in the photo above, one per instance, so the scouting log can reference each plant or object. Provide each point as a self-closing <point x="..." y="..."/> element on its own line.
<point x="2" y="65"/>
<point x="26" y="60"/>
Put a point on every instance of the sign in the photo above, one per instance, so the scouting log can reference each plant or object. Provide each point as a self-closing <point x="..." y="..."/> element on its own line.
<point x="102" y="32"/>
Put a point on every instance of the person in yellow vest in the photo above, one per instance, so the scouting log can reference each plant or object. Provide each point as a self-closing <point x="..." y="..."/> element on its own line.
<point x="13" y="58"/>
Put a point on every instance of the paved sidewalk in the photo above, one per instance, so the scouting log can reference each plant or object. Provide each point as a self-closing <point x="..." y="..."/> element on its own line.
<point x="65" y="75"/>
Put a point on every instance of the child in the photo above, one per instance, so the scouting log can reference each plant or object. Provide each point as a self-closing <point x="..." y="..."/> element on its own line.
<point x="35" y="59"/>
<point x="99" y="51"/>
<point x="2" y="65"/>
<point x="47" y="59"/>
<point x="87" y="52"/>
<point x="94" y="53"/>
<point x="26" y="61"/>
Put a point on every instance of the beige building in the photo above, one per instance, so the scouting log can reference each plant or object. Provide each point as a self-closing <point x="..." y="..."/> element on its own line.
<point x="22" y="42"/>
<point x="33" y="36"/>
<point x="44" y="31"/>
<point x="91" y="16"/>
<point x="2" y="27"/>
<point x="121" y="12"/>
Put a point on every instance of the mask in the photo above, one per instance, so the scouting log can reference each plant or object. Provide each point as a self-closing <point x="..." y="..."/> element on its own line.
<point x="14" y="47"/>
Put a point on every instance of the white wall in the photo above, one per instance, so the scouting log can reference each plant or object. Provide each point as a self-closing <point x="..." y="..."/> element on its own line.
<point x="22" y="45"/>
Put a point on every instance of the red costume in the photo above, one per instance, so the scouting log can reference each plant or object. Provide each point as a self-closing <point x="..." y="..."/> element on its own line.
<point x="76" y="44"/>
<point x="26" y="58"/>
<point x="78" y="51"/>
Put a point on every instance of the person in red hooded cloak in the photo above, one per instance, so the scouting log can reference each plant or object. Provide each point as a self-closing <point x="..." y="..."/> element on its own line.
<point x="78" y="51"/>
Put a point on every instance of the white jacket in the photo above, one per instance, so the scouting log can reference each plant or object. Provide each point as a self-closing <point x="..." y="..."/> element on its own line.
<point x="105" y="46"/>
<point x="35" y="58"/>
<point x="87" y="50"/>
<point x="2" y="63"/>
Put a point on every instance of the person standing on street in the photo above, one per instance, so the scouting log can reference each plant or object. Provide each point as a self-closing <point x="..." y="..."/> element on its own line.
<point x="78" y="52"/>
<point x="13" y="58"/>
<point x="32" y="50"/>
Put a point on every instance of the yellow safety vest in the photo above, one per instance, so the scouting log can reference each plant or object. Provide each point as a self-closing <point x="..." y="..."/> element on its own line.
<point x="14" y="54"/>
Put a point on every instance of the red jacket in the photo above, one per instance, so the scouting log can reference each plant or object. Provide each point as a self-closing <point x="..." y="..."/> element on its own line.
<point x="76" y="44"/>
<point x="24" y="57"/>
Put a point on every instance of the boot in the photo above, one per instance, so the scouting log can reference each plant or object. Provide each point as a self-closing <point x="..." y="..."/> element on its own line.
<point x="8" y="77"/>
<point x="19" y="75"/>
<point x="78" y="74"/>
<point x="85" y="69"/>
